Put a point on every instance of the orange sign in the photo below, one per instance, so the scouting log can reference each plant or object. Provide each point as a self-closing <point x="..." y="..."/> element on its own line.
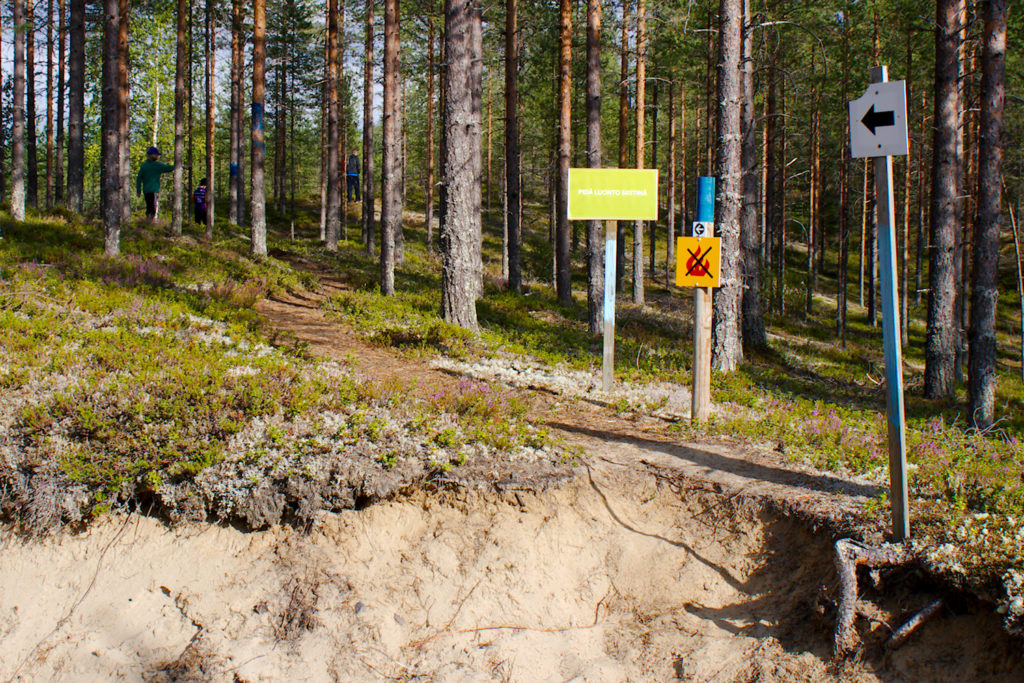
<point x="698" y="261"/>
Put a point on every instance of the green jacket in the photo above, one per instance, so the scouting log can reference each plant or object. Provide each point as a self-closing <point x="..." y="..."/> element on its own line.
<point x="148" y="179"/>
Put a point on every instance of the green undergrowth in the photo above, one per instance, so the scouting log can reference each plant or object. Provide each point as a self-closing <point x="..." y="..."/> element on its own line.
<point x="125" y="374"/>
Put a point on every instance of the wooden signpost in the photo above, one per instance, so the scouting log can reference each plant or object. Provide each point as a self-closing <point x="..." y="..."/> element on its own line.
<point x="612" y="194"/>
<point x="878" y="129"/>
<point x="697" y="265"/>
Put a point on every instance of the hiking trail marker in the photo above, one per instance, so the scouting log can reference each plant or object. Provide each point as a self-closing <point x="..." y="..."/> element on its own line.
<point x="611" y="194"/>
<point x="878" y="129"/>
<point x="698" y="261"/>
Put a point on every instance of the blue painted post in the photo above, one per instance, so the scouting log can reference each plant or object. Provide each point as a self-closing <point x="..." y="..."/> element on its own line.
<point x="608" y="362"/>
<point x="884" y="206"/>
<point x="705" y="200"/>
<point x="700" y="405"/>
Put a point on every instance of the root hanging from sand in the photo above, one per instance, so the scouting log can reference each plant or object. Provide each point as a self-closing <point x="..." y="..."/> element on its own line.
<point x="849" y="555"/>
<point x="900" y="635"/>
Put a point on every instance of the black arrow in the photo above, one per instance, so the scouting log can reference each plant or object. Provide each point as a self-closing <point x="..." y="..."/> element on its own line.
<point x="876" y="119"/>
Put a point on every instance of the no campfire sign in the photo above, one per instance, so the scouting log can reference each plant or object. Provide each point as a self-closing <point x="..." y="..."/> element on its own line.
<point x="697" y="261"/>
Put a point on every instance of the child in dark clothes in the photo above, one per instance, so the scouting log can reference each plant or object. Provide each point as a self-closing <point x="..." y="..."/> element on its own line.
<point x="199" y="201"/>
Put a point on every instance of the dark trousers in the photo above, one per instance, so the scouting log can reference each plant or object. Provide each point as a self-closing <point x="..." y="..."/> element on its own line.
<point x="150" y="204"/>
<point x="353" y="184"/>
<point x="200" y="215"/>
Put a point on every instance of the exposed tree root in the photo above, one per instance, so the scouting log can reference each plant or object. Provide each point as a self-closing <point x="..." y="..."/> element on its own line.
<point x="900" y="635"/>
<point x="849" y="555"/>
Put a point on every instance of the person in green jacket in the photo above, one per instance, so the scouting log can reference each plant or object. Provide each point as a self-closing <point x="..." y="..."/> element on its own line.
<point x="148" y="180"/>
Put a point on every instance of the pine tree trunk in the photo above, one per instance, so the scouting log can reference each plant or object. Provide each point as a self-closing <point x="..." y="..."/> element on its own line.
<point x="670" y="227"/>
<point x="76" y="106"/>
<point x="32" y="177"/>
<point x="921" y="204"/>
<point x="391" y="166"/>
<point x="771" y="172"/>
<point x="563" y="266"/>
<point x="367" y="224"/>
<point x="780" y="226"/>
<point x="461" y="233"/>
<point x="754" y="336"/>
<point x="513" y="201"/>
<point x="234" y="135"/>
<point x="111" y="148"/>
<point x="333" y="186"/>
<point x="124" y="160"/>
<point x="982" y="368"/>
<point x="323" y="142"/>
<point x="58" y="179"/>
<point x="428" y="189"/>
<point x="726" y="345"/>
<point x="177" y="209"/>
<point x="641" y="116"/>
<point x="49" y="104"/>
<point x="844" y="194"/>
<point x="211" y="186"/>
<point x="620" y="226"/>
<point x="942" y="336"/>
<point x="3" y="141"/>
<point x="595" y="240"/>
<point x="652" y="232"/>
<point x="257" y="147"/>
<point x="18" y="115"/>
<point x="905" y="236"/>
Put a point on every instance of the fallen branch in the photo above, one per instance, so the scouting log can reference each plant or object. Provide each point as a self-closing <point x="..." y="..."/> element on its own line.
<point x="849" y="555"/>
<point x="900" y="635"/>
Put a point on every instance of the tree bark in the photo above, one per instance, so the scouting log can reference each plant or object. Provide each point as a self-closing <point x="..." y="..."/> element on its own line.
<point x="18" y="115"/>
<point x="726" y="345"/>
<point x="652" y="231"/>
<point x="907" y="178"/>
<point x="210" y="105"/>
<point x="563" y="266"/>
<point x="124" y="140"/>
<point x="942" y="336"/>
<point x="844" y="193"/>
<point x="111" y="147"/>
<point x="641" y="115"/>
<point x="76" y="106"/>
<point x="333" y="187"/>
<point x="670" y="227"/>
<point x="32" y="176"/>
<point x="754" y="336"/>
<point x="595" y="241"/>
<point x="460" y="266"/>
<point x="513" y="201"/>
<point x="58" y="187"/>
<point x="179" y="116"/>
<point x="257" y="147"/>
<point x="391" y="156"/>
<point x="49" y="104"/>
<point x="982" y="368"/>
<point x="367" y="223"/>
<point x="620" y="226"/>
<point x="3" y="141"/>
<point x="429" y="184"/>
<point x="235" y="134"/>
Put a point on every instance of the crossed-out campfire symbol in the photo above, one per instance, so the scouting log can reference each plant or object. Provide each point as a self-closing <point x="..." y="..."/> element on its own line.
<point x="697" y="265"/>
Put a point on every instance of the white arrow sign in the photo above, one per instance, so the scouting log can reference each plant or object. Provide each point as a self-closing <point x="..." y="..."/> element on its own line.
<point x="878" y="121"/>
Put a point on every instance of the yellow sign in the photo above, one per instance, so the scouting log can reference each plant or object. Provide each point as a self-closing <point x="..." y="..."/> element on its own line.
<point x="698" y="261"/>
<point x="598" y="194"/>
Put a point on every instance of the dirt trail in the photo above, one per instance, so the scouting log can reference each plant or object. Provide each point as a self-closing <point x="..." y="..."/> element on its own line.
<point x="609" y="440"/>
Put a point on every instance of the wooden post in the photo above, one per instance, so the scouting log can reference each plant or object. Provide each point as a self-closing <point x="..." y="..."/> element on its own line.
<point x="891" y="337"/>
<point x="700" y="406"/>
<point x="610" y="251"/>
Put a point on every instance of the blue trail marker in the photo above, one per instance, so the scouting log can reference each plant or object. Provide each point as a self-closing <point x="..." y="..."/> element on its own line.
<point x="700" y="405"/>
